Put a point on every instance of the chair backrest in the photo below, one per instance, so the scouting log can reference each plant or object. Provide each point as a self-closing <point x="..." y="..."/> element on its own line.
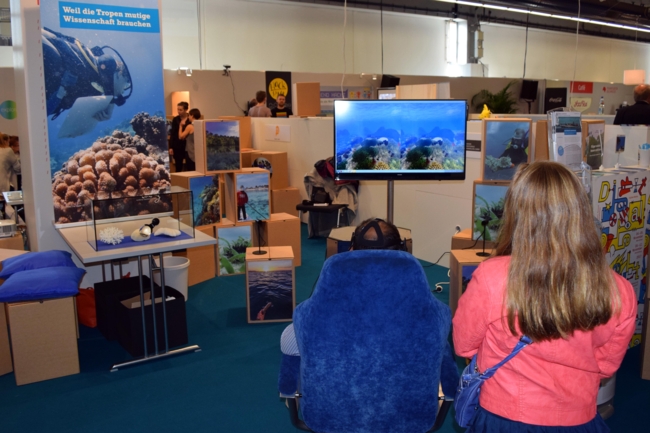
<point x="371" y="339"/>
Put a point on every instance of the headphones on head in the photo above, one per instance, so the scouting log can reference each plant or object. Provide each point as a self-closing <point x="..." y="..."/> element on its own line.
<point x="358" y="241"/>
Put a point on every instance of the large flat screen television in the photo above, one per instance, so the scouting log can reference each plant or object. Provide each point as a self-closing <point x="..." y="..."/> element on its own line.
<point x="400" y="139"/>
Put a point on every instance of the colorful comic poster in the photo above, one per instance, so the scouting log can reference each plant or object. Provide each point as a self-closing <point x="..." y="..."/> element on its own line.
<point x="105" y="102"/>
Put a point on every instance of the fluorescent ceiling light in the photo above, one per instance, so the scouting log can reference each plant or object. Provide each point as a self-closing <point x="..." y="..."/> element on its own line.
<point x="544" y="14"/>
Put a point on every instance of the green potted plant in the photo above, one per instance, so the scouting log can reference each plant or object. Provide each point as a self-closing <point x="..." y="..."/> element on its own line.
<point x="502" y="102"/>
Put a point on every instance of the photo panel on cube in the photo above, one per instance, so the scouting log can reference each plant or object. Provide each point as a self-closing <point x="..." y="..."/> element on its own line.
<point x="487" y="205"/>
<point x="270" y="291"/>
<point x="466" y="275"/>
<point x="231" y="249"/>
<point x="207" y="199"/>
<point x="252" y="196"/>
<point x="222" y="150"/>
<point x="506" y="145"/>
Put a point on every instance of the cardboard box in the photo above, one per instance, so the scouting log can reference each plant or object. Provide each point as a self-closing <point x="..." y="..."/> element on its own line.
<point x="202" y="259"/>
<point x="6" y="366"/>
<point x="245" y="134"/>
<point x="461" y="265"/>
<point x="43" y="339"/>
<point x="463" y="240"/>
<point x="276" y="163"/>
<point x="15" y="242"/>
<point x="129" y="327"/>
<point x="270" y="285"/>
<point x="109" y="294"/>
<point x="233" y="180"/>
<point x="285" y="200"/>
<point x="282" y="229"/>
<point x="306" y="99"/>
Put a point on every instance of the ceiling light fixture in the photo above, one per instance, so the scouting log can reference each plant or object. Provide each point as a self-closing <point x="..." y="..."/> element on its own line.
<point x="548" y="15"/>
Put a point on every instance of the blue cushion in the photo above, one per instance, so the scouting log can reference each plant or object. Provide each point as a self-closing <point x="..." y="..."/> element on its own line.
<point x="37" y="260"/>
<point x="46" y="283"/>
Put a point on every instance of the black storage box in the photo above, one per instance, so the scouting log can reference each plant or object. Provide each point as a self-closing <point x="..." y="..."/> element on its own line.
<point x="108" y="296"/>
<point x="129" y="326"/>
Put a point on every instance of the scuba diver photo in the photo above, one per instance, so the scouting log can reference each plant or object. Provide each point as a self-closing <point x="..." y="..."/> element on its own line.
<point x="104" y="98"/>
<point x="507" y="145"/>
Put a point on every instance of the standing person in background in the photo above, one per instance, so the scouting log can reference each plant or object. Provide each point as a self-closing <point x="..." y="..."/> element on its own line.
<point x="260" y="110"/>
<point x="242" y="199"/>
<point x="281" y="110"/>
<point x="549" y="281"/>
<point x="9" y="165"/>
<point x="187" y="133"/>
<point x="176" y="145"/>
<point x="14" y="143"/>
<point x="639" y="113"/>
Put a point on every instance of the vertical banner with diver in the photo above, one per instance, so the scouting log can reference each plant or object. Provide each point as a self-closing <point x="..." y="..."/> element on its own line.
<point x="105" y="103"/>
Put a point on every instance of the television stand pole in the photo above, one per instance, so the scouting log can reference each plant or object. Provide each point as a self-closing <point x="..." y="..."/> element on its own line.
<point x="390" y="201"/>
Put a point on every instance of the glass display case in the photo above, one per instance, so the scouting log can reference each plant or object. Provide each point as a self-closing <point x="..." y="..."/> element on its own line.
<point x="126" y="221"/>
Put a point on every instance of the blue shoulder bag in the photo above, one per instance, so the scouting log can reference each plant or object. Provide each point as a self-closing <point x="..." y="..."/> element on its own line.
<point x="466" y="400"/>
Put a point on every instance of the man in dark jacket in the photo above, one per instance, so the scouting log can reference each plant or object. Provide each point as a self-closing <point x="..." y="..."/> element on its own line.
<point x="639" y="113"/>
<point x="176" y="145"/>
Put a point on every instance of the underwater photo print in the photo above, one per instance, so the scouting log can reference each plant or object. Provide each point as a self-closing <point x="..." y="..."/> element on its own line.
<point x="232" y="243"/>
<point x="400" y="136"/>
<point x="207" y="199"/>
<point x="222" y="146"/>
<point x="105" y="103"/>
<point x="507" y="144"/>
<point x="270" y="290"/>
<point x="488" y="209"/>
<point x="252" y="196"/>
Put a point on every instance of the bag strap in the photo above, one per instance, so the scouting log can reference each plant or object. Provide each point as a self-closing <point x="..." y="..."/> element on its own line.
<point x="523" y="342"/>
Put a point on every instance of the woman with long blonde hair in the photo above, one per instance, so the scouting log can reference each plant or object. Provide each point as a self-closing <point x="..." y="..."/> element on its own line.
<point x="549" y="281"/>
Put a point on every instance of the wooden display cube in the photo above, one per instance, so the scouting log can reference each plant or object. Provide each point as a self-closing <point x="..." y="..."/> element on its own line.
<point x="461" y="266"/>
<point x="245" y="135"/>
<point x="203" y="260"/>
<point x="270" y="285"/>
<point x="463" y="240"/>
<point x="306" y="99"/>
<point x="282" y="229"/>
<point x="276" y="164"/>
<point x="246" y="160"/>
<point x="43" y="339"/>
<point x="254" y="183"/>
<point x="206" y="188"/>
<point x="217" y="147"/>
<point x="285" y="200"/>
<point x="232" y="242"/>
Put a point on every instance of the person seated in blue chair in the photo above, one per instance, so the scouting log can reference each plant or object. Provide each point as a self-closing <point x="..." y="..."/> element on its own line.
<point x="373" y="330"/>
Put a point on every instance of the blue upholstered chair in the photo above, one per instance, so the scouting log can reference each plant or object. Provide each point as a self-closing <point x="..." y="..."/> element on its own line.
<point x="373" y="342"/>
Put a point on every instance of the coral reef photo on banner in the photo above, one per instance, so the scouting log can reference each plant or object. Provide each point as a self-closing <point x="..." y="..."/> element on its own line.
<point x="207" y="199"/>
<point x="232" y="243"/>
<point x="270" y="290"/>
<point x="222" y="146"/>
<point x="105" y="104"/>
<point x="506" y="145"/>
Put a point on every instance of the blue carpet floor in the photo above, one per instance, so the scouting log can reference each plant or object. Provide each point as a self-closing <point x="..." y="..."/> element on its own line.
<point x="230" y="386"/>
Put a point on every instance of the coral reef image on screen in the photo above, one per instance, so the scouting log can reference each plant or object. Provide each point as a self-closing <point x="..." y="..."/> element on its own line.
<point x="253" y="197"/>
<point x="232" y="242"/>
<point x="488" y="210"/>
<point x="506" y="146"/>
<point x="222" y="146"/>
<point x="207" y="202"/>
<point x="409" y="135"/>
<point x="270" y="290"/>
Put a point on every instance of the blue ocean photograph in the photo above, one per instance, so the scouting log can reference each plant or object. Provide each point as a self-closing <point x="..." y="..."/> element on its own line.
<point x="488" y="209"/>
<point x="207" y="199"/>
<point x="232" y="243"/>
<point x="506" y="147"/>
<point x="253" y="193"/>
<point x="222" y="146"/>
<point x="106" y="124"/>
<point x="400" y="135"/>
<point x="270" y="290"/>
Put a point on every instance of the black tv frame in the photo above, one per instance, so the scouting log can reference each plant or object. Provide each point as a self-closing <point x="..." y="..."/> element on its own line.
<point x="405" y="175"/>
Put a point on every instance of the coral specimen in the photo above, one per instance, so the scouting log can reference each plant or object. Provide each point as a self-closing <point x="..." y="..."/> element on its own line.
<point x="111" y="235"/>
<point x="117" y="166"/>
<point x="166" y="231"/>
<point x="496" y="164"/>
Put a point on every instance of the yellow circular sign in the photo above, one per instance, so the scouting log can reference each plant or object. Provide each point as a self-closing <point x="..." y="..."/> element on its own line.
<point x="278" y="87"/>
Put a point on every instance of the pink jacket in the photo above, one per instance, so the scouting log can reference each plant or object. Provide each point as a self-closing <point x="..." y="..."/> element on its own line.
<point x="549" y="383"/>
